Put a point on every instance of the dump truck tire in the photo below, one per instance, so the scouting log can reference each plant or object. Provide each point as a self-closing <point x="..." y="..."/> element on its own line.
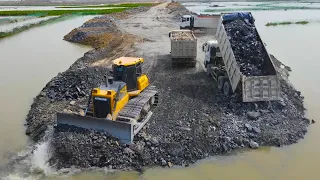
<point x="208" y="66"/>
<point x="227" y="88"/>
<point x="193" y="64"/>
<point x="221" y="80"/>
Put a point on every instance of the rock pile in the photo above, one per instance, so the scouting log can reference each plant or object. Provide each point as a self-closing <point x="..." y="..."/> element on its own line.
<point x="177" y="10"/>
<point x="208" y="123"/>
<point x="75" y="84"/>
<point x="248" y="50"/>
<point x="95" y="32"/>
<point x="182" y="36"/>
<point x="92" y="149"/>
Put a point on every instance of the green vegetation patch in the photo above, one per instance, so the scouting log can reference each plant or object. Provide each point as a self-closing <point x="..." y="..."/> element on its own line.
<point x="286" y="23"/>
<point x="128" y="5"/>
<point x="60" y="12"/>
<point x="302" y="22"/>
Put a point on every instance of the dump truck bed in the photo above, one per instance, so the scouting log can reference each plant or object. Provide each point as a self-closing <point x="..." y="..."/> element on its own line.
<point x="183" y="44"/>
<point x="254" y="88"/>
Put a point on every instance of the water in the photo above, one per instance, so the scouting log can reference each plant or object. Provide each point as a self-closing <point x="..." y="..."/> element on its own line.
<point x="294" y="45"/>
<point x="28" y="61"/>
<point x="11" y="26"/>
<point x="20" y="8"/>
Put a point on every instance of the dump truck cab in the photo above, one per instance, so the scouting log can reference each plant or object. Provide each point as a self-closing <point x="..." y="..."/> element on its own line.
<point x="186" y="21"/>
<point x="212" y="53"/>
<point x="129" y="70"/>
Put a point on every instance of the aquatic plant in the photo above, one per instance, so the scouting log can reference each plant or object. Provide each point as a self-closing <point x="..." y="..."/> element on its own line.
<point x="286" y="23"/>
<point x="129" y="5"/>
<point x="60" y="12"/>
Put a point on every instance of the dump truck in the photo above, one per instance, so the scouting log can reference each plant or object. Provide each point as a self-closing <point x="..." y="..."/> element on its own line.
<point x="222" y="65"/>
<point x="183" y="48"/>
<point x="202" y="21"/>
<point x="121" y="106"/>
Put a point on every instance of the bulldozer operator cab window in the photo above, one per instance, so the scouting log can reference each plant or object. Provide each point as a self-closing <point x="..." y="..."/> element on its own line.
<point x="139" y="69"/>
<point x="118" y="70"/>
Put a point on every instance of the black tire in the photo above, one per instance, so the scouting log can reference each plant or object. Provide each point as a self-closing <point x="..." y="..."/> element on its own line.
<point x="221" y="80"/>
<point x="193" y="64"/>
<point x="227" y="90"/>
<point x="208" y="66"/>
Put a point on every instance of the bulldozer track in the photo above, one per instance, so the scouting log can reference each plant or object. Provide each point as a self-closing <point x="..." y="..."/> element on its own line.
<point x="140" y="105"/>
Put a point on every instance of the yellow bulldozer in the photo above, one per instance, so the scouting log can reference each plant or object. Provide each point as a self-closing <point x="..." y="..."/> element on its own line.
<point x="121" y="106"/>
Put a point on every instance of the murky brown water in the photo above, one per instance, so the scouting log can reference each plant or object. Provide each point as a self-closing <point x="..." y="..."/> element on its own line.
<point x="294" y="45"/>
<point x="28" y="61"/>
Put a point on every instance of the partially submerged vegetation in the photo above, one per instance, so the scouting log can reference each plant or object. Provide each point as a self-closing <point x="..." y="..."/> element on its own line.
<point x="28" y="26"/>
<point x="89" y="10"/>
<point x="61" y="12"/>
<point x="128" y="5"/>
<point x="286" y="23"/>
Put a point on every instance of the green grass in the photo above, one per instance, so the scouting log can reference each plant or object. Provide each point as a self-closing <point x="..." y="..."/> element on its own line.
<point x="26" y="27"/>
<point x="302" y="22"/>
<point x="128" y="5"/>
<point x="60" y="12"/>
<point x="286" y="23"/>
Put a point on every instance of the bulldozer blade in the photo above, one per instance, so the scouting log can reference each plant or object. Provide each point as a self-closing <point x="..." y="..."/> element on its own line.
<point x="122" y="130"/>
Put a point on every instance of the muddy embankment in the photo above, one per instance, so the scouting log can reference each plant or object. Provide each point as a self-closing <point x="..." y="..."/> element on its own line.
<point x="192" y="121"/>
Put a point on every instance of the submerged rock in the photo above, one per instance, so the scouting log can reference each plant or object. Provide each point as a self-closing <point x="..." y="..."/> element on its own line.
<point x="254" y="145"/>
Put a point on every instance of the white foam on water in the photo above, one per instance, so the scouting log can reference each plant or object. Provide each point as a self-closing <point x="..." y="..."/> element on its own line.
<point x="40" y="158"/>
<point x="35" y="166"/>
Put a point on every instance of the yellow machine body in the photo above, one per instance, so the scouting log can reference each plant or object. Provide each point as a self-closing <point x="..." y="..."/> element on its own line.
<point x="120" y="107"/>
<point x="126" y="71"/>
<point x="140" y="79"/>
<point x="109" y="92"/>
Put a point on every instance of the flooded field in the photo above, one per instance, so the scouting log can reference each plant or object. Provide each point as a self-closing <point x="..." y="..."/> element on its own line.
<point x="20" y="8"/>
<point x="31" y="57"/>
<point x="42" y="54"/>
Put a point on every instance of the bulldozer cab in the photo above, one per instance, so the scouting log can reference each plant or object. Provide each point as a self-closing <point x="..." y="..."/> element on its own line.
<point x="128" y="70"/>
<point x="109" y="98"/>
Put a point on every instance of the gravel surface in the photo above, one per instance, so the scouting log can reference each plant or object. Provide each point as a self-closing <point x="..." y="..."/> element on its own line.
<point x="192" y="121"/>
<point x="248" y="50"/>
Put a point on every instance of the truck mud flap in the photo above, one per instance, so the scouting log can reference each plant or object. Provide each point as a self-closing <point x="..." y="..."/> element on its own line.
<point x="121" y="130"/>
